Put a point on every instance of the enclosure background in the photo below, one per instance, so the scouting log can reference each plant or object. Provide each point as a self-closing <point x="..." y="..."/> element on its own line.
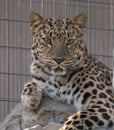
<point x="16" y="38"/>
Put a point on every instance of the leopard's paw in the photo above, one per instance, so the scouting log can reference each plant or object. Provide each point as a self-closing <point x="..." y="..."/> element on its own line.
<point x="31" y="96"/>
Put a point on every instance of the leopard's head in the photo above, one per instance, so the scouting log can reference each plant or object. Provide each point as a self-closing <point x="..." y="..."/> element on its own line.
<point x="58" y="42"/>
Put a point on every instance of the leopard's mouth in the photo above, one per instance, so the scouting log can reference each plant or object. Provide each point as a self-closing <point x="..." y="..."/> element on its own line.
<point x="58" y="71"/>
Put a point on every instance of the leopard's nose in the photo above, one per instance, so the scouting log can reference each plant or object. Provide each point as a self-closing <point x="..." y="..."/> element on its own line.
<point x="59" y="60"/>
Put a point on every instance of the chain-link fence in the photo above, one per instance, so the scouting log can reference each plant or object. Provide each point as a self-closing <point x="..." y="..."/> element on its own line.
<point x="16" y="39"/>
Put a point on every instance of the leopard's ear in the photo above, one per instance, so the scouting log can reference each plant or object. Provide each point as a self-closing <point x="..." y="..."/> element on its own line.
<point x="80" y="22"/>
<point x="36" y="22"/>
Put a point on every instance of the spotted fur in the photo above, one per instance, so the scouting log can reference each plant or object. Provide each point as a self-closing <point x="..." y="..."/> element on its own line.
<point x="65" y="70"/>
<point x="31" y="96"/>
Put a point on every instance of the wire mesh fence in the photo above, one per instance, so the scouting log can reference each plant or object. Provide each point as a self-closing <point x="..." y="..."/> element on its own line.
<point x="16" y="39"/>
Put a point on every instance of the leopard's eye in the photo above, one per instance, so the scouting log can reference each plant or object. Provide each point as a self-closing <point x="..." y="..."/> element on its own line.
<point x="47" y="40"/>
<point x="70" y="41"/>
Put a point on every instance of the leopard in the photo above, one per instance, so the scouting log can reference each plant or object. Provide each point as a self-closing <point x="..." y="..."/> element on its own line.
<point x="66" y="71"/>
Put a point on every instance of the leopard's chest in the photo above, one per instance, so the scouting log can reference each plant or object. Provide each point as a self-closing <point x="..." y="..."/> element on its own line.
<point x="59" y="89"/>
<point x="52" y="86"/>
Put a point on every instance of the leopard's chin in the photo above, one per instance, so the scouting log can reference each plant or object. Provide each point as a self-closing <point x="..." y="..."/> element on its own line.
<point x="58" y="71"/>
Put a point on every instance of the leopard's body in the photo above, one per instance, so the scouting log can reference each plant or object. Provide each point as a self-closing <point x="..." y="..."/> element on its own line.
<point x="65" y="71"/>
